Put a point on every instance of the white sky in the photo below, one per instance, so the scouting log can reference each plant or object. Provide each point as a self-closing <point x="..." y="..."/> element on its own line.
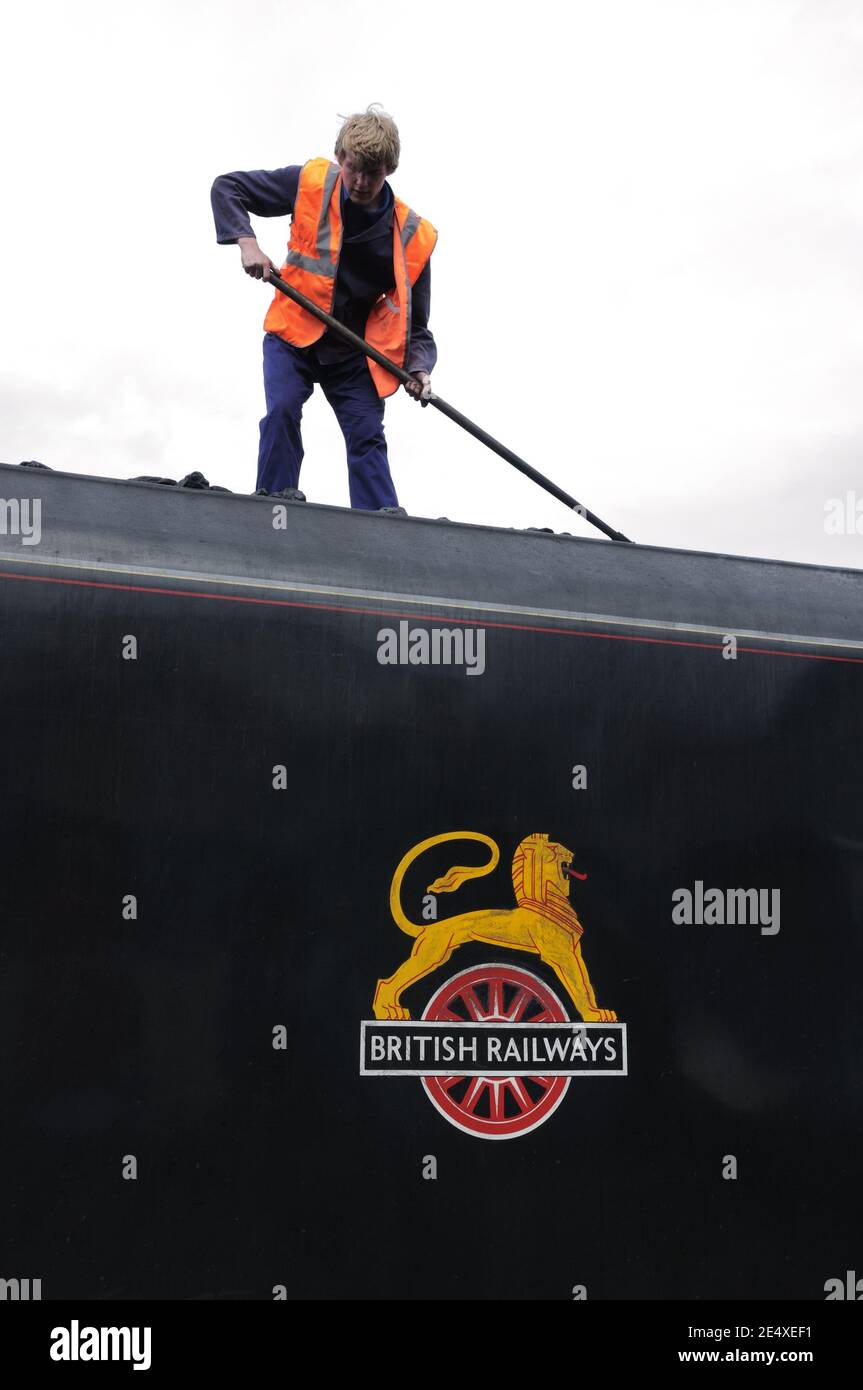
<point x="649" y="278"/>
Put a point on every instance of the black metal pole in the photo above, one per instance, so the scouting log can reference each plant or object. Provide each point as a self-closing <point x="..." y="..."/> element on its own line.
<point x="405" y="377"/>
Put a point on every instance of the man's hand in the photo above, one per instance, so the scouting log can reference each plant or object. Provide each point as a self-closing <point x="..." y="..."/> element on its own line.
<point x="420" y="387"/>
<point x="255" y="263"/>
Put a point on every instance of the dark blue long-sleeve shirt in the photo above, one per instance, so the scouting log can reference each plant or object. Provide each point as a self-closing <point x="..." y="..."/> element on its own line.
<point x="365" y="264"/>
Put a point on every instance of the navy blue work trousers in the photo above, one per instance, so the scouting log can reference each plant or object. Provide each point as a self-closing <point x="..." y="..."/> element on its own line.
<point x="289" y="378"/>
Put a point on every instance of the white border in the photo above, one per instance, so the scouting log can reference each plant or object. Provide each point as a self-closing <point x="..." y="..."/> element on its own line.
<point x="538" y="1069"/>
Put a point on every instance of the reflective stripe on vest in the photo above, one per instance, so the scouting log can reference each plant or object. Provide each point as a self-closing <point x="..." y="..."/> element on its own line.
<point x="312" y="264"/>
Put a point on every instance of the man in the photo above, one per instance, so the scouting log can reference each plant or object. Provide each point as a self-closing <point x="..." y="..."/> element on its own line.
<point x="361" y="254"/>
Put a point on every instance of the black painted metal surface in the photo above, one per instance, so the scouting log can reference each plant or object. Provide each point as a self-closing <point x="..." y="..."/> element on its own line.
<point x="263" y="907"/>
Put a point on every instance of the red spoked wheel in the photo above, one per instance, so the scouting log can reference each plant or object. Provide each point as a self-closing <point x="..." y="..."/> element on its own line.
<point x="495" y="1107"/>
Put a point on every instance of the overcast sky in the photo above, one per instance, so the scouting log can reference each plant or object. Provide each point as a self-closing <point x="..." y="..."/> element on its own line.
<point x="649" y="278"/>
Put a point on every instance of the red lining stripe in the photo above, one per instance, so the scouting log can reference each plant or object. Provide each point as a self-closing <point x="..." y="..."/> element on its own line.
<point x="417" y="617"/>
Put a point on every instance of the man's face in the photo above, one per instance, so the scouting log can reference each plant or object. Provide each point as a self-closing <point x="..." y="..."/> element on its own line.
<point x="363" y="186"/>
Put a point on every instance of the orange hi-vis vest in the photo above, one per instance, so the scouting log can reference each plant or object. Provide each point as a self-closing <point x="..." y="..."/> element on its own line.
<point x="313" y="261"/>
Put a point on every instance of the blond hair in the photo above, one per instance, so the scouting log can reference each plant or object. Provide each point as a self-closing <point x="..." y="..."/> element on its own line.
<point x="371" y="139"/>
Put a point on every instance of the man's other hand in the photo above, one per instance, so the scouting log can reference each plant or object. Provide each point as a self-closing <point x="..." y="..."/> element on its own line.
<point x="420" y="387"/>
<point x="255" y="263"/>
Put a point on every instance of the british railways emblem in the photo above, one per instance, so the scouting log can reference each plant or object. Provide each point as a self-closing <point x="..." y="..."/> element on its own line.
<point x="495" y="1048"/>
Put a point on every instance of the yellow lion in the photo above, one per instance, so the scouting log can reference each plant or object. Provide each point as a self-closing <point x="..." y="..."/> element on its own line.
<point x="543" y="922"/>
